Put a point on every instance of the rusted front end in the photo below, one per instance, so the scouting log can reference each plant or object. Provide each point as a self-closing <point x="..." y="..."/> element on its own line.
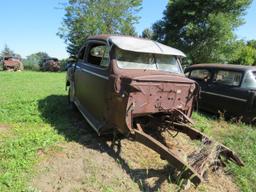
<point x="143" y="101"/>
<point x="51" y="64"/>
<point x="143" y="93"/>
<point x="154" y="94"/>
<point x="12" y="64"/>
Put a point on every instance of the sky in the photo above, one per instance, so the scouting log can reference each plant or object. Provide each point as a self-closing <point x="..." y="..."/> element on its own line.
<point x="30" y="26"/>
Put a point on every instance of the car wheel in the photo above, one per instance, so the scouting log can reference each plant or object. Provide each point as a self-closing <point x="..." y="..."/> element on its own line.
<point x="71" y="103"/>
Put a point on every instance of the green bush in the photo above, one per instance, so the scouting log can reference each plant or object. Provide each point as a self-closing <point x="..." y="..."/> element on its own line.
<point x="31" y="66"/>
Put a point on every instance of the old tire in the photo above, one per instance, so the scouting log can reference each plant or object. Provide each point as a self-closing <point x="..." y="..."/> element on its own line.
<point x="70" y="102"/>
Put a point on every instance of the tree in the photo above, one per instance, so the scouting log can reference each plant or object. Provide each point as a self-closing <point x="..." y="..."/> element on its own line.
<point x="252" y="43"/>
<point x="201" y="28"/>
<point x="247" y="56"/>
<point x="35" y="61"/>
<point x="147" y="33"/>
<point x="7" y="52"/>
<point x="90" y="17"/>
<point x="244" y="53"/>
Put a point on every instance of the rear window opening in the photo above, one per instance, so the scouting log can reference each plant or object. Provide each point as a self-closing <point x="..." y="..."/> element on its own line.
<point x="231" y="78"/>
<point x="200" y="74"/>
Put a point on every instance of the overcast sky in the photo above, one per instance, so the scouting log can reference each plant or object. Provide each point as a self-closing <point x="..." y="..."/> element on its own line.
<point x="29" y="26"/>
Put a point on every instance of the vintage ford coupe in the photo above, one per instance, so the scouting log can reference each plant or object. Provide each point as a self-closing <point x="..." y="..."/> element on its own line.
<point x="119" y="77"/>
<point x="131" y="85"/>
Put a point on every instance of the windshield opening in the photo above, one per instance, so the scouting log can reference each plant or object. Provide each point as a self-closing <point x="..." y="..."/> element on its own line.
<point x="147" y="61"/>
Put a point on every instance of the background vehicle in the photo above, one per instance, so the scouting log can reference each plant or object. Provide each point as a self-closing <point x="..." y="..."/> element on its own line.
<point x="50" y="64"/>
<point x="12" y="64"/>
<point x="132" y="86"/>
<point x="226" y="88"/>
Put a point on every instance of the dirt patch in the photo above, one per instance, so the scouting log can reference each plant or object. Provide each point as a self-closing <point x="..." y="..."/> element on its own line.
<point x="94" y="163"/>
<point x="78" y="168"/>
<point x="4" y="128"/>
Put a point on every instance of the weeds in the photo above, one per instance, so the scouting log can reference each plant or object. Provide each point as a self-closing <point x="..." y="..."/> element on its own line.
<point x="239" y="137"/>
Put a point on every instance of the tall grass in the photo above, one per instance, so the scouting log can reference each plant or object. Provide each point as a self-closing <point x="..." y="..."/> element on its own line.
<point x="239" y="137"/>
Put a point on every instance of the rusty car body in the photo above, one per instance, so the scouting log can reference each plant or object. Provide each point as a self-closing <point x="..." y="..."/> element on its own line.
<point x="50" y="64"/>
<point x="226" y="88"/>
<point x="12" y="64"/>
<point x="121" y="83"/>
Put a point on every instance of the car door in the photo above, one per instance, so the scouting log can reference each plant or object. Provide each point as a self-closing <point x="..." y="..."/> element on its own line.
<point x="203" y="77"/>
<point x="227" y="94"/>
<point x="91" y="77"/>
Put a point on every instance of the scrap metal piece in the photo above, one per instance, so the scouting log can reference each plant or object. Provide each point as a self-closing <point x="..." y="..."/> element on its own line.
<point x="199" y="162"/>
<point x="195" y="134"/>
<point x="168" y="154"/>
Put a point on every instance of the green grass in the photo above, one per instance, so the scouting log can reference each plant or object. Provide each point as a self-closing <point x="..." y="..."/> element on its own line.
<point x="27" y="130"/>
<point x="33" y="107"/>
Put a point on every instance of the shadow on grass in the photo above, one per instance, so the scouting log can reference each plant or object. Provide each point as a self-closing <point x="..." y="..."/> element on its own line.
<point x="55" y="110"/>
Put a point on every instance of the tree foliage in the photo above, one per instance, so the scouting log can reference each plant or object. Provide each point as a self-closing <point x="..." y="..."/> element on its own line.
<point x="244" y="53"/>
<point x="7" y="52"/>
<point x="35" y="61"/>
<point x="247" y="56"/>
<point x="90" y="17"/>
<point x="147" y="33"/>
<point x="252" y="43"/>
<point x="201" y="28"/>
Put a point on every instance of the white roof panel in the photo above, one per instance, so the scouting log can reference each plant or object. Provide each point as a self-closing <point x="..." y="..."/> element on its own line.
<point x="144" y="46"/>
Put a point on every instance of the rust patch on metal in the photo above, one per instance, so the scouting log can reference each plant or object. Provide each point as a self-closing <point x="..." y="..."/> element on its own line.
<point x="12" y="64"/>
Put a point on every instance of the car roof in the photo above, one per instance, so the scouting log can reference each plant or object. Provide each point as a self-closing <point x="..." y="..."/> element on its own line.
<point x="222" y="66"/>
<point x="137" y="44"/>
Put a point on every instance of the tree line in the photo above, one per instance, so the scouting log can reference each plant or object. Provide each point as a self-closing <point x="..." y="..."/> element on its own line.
<point x="203" y="29"/>
<point x="33" y="62"/>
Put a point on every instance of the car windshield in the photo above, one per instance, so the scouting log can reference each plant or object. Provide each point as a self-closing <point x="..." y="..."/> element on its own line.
<point x="249" y="80"/>
<point x="147" y="61"/>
